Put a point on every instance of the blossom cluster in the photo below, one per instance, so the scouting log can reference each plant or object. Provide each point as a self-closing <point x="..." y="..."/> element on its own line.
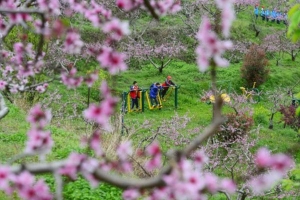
<point x="100" y="113"/>
<point x="39" y="140"/>
<point x="277" y="165"/>
<point x="210" y="47"/>
<point x="24" y="184"/>
<point x="187" y="180"/>
<point x="17" y="67"/>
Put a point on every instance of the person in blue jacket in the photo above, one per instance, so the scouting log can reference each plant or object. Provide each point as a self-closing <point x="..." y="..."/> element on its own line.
<point x="256" y="11"/>
<point x="154" y="91"/>
<point x="262" y="14"/>
<point x="273" y="15"/>
<point x="284" y="18"/>
<point x="278" y="17"/>
<point x="267" y="14"/>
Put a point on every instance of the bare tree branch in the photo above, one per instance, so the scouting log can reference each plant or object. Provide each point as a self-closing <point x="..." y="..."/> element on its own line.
<point x="3" y="108"/>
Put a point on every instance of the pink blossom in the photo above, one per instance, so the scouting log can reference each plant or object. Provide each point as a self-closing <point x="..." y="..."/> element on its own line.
<point x="5" y="177"/>
<point x="70" y="79"/>
<point x="228" y="185"/>
<point x="116" y="29"/>
<point x="126" y="166"/>
<point x="41" y="88"/>
<point x="58" y="28"/>
<point x="128" y="5"/>
<point x="38" y="117"/>
<point x="13" y="88"/>
<point x="25" y="70"/>
<point x="263" y="158"/>
<point x="3" y="85"/>
<point x="88" y="167"/>
<point x="264" y="182"/>
<point x="112" y="60"/>
<point x="42" y="191"/>
<point x="227" y="15"/>
<point x="73" y="43"/>
<point x="94" y="182"/>
<point x="211" y="182"/>
<point x="153" y="149"/>
<point x="154" y="163"/>
<point x="200" y="158"/>
<point x="124" y="150"/>
<point x="71" y="167"/>
<point x="165" y="6"/>
<point x="91" y="78"/>
<point x="51" y="6"/>
<point x="41" y="28"/>
<point x="281" y="163"/>
<point x="131" y="194"/>
<point x="95" y="143"/>
<point x="101" y="113"/>
<point x="23" y="179"/>
<point x="210" y="47"/>
<point x="39" y="141"/>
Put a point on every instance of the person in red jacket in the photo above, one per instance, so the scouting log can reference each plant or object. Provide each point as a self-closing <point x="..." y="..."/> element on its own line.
<point x="134" y="95"/>
<point x="166" y="86"/>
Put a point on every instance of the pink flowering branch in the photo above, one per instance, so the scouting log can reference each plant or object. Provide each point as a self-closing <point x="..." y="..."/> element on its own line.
<point x="101" y="175"/>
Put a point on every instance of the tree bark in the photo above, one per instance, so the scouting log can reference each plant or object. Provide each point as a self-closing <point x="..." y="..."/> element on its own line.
<point x="271" y="121"/>
<point x="293" y="56"/>
<point x="3" y="108"/>
<point x="160" y="69"/>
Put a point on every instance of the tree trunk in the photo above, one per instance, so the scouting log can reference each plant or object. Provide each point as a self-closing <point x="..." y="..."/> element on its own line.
<point x="257" y="33"/>
<point x="242" y="196"/>
<point x="293" y="55"/>
<point x="277" y="63"/>
<point x="271" y="121"/>
<point x="160" y="69"/>
<point x="3" y="108"/>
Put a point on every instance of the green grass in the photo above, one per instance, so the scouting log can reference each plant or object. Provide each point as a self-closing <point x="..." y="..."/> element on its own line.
<point x="67" y="135"/>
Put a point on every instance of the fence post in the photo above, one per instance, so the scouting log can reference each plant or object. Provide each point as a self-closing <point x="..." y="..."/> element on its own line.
<point x="143" y="100"/>
<point x="176" y="96"/>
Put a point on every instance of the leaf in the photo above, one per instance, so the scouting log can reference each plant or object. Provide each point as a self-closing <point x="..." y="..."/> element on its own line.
<point x="287" y="184"/>
<point x="293" y="30"/>
<point x="294" y="9"/>
<point x="298" y="112"/>
<point x="296" y="35"/>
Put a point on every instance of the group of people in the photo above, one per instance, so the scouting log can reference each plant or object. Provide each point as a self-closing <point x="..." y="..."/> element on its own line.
<point x="270" y="15"/>
<point x="155" y="90"/>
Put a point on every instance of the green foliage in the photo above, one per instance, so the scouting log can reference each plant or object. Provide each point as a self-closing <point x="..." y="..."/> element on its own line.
<point x="255" y="67"/>
<point x="20" y="34"/>
<point x="261" y="115"/>
<point x="294" y="18"/>
<point x="81" y="190"/>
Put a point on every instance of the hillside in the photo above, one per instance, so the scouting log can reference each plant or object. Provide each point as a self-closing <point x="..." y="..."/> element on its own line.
<point x="69" y="129"/>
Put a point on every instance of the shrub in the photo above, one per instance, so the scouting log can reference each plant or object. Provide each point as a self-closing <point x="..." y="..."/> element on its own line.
<point x="235" y="127"/>
<point x="289" y="116"/>
<point x="255" y="67"/>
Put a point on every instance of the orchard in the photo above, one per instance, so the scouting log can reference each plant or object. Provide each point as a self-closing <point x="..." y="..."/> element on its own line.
<point x="50" y="46"/>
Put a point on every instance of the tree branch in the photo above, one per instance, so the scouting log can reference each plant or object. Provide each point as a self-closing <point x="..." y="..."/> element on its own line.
<point x="152" y="62"/>
<point x="3" y="108"/>
<point x="167" y="63"/>
<point x="124" y="182"/>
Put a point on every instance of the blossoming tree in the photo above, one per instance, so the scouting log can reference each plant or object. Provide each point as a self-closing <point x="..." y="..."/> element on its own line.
<point x="182" y="177"/>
